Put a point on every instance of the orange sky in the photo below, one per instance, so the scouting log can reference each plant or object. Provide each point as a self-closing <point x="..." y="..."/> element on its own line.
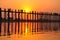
<point x="38" y="5"/>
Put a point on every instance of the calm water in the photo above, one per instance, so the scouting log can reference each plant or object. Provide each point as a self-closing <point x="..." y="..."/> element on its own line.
<point x="30" y="30"/>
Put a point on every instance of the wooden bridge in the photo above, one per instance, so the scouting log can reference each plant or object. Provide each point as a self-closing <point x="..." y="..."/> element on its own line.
<point x="40" y="22"/>
<point x="20" y="15"/>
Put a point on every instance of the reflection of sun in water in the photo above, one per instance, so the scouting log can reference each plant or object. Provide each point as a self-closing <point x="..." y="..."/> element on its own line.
<point x="27" y="31"/>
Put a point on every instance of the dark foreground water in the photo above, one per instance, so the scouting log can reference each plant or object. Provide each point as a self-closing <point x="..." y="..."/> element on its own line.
<point x="29" y="31"/>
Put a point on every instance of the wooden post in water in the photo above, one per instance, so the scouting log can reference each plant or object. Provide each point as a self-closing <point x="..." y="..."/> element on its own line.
<point x="18" y="15"/>
<point x="27" y="23"/>
<point x="21" y="14"/>
<point x="35" y="22"/>
<point x="5" y="22"/>
<point x="15" y="20"/>
<point x="32" y="23"/>
<point x="4" y="14"/>
<point x="15" y="27"/>
<point x="12" y="22"/>
<point x="12" y="28"/>
<point x="0" y="14"/>
<point x="8" y="29"/>
<point x="9" y="10"/>
<point x="21" y="23"/>
<point x="15" y="15"/>
<point x="18" y="21"/>
<point x="0" y="21"/>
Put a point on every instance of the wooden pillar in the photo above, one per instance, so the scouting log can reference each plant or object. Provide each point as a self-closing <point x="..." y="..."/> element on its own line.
<point x="21" y="23"/>
<point x="18" y="21"/>
<point x="15" y="15"/>
<point x="0" y="14"/>
<point x="32" y="23"/>
<point x="9" y="10"/>
<point x="5" y="29"/>
<point x="35" y="22"/>
<point x="12" y="22"/>
<point x="18" y="15"/>
<point x="15" y="22"/>
<point x="4" y="22"/>
<point x="18" y="27"/>
<point x="0" y="21"/>
<point x="8" y="33"/>
<point x="21" y="15"/>
<point x="12" y="28"/>
<point x="15" y="27"/>
<point x="12" y="14"/>
<point x="4" y="14"/>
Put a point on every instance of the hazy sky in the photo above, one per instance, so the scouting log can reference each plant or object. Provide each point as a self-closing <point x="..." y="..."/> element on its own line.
<point x="38" y="5"/>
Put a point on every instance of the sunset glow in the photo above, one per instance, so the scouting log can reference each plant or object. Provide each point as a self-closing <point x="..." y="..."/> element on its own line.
<point x="27" y="9"/>
<point x="29" y="19"/>
<point x="35" y="5"/>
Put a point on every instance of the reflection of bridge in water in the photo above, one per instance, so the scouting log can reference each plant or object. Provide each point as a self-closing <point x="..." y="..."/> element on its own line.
<point x="12" y="22"/>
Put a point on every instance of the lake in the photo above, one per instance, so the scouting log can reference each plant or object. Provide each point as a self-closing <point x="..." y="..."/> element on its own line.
<point x="30" y="31"/>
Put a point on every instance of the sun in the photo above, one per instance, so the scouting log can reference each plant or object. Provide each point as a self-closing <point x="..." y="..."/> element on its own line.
<point x="27" y="9"/>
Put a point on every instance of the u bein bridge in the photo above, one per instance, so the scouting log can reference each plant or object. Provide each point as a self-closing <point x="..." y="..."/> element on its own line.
<point x="20" y="15"/>
<point x="43" y="22"/>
